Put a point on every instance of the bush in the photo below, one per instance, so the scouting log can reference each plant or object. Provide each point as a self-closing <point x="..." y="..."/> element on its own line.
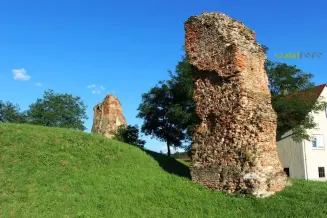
<point x="129" y="134"/>
<point x="58" y="110"/>
<point x="10" y="113"/>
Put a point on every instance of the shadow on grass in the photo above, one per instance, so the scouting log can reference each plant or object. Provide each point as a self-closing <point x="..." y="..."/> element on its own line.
<point x="170" y="164"/>
<point x="186" y="160"/>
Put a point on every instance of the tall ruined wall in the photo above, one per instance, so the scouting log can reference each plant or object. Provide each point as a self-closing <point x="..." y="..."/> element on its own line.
<point x="108" y="116"/>
<point x="234" y="147"/>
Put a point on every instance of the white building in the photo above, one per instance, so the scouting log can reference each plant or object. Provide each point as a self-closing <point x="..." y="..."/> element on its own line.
<point x="307" y="159"/>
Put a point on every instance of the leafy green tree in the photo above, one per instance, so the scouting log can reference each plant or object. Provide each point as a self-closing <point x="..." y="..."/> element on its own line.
<point x="58" y="110"/>
<point x="130" y="135"/>
<point x="163" y="119"/>
<point x="182" y="88"/>
<point x="10" y="113"/>
<point x="293" y="98"/>
<point x="168" y="109"/>
<point x="170" y="106"/>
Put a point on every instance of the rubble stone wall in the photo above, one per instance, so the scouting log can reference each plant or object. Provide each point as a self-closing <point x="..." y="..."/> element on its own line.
<point x="234" y="147"/>
<point x="108" y="116"/>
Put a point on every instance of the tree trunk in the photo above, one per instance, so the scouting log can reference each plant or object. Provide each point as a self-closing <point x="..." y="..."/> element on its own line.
<point x="168" y="149"/>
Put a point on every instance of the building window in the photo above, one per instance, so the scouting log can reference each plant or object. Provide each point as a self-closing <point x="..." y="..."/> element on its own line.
<point x="326" y="110"/>
<point x="287" y="171"/>
<point x="317" y="141"/>
<point x="321" y="172"/>
<point x="314" y="142"/>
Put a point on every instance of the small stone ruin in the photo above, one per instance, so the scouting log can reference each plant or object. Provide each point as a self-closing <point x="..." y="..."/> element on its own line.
<point x="108" y="116"/>
<point x="234" y="146"/>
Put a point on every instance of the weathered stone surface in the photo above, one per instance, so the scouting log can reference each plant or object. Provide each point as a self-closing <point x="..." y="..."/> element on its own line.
<point x="234" y="147"/>
<point x="108" y="116"/>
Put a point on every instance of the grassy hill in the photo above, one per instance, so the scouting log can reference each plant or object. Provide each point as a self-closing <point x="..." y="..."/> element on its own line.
<point x="180" y="155"/>
<point x="52" y="172"/>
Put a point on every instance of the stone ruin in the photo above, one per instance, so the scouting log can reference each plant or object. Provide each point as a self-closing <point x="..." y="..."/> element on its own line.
<point x="234" y="146"/>
<point x="108" y="116"/>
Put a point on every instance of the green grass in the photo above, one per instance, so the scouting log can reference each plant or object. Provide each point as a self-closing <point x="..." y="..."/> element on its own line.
<point x="184" y="161"/>
<point x="51" y="172"/>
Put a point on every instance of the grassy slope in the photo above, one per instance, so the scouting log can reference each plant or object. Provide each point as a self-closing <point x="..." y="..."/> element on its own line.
<point x="51" y="172"/>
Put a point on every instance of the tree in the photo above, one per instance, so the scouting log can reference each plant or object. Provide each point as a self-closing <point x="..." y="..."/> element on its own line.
<point x="182" y="88"/>
<point x="10" y="113"/>
<point x="129" y="135"/>
<point x="293" y="98"/>
<point x="58" y="110"/>
<point x="163" y="119"/>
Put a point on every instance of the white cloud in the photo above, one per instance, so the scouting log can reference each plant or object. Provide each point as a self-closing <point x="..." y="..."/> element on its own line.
<point x="96" y="89"/>
<point x="96" y="92"/>
<point x="20" y="74"/>
<point x="38" y="84"/>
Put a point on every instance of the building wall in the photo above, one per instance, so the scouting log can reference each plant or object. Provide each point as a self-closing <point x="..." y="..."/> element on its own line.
<point x="317" y="157"/>
<point x="291" y="156"/>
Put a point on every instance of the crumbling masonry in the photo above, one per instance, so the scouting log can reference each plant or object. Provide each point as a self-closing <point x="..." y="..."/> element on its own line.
<point x="108" y="116"/>
<point x="234" y="147"/>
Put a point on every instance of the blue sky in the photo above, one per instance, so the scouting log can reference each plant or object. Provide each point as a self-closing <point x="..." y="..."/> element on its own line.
<point x="127" y="46"/>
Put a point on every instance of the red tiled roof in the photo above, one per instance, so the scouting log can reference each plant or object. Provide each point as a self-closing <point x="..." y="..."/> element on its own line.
<point x="319" y="89"/>
<point x="308" y="95"/>
<point x="315" y="91"/>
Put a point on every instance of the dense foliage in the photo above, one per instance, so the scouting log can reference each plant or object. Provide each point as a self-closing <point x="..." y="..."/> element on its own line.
<point x="168" y="109"/>
<point x="58" y="110"/>
<point x="55" y="110"/>
<point x="293" y="98"/>
<point x="10" y="113"/>
<point x="169" y="114"/>
<point x="130" y="135"/>
<point x="161" y="116"/>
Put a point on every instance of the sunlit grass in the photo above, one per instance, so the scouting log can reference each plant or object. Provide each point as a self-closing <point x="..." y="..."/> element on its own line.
<point x="52" y="172"/>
